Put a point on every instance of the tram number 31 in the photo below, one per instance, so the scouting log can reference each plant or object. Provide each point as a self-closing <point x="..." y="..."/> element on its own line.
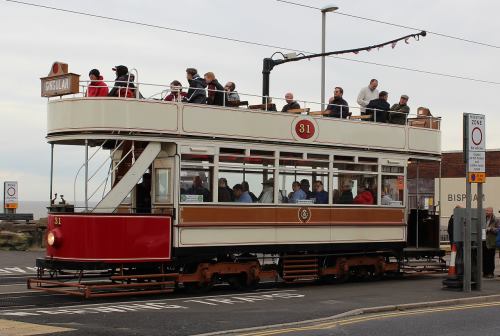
<point x="305" y="129"/>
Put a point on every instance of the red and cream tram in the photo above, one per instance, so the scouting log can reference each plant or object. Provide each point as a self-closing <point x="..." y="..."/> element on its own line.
<point x="161" y="221"/>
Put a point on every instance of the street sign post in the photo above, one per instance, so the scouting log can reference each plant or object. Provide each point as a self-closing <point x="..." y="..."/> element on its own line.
<point x="475" y="158"/>
<point x="10" y="196"/>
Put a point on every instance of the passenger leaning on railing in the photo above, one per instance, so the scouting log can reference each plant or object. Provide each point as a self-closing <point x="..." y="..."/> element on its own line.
<point x="215" y="90"/>
<point x="232" y="95"/>
<point x="97" y="87"/>
<point x="176" y="93"/>
<point x="196" y="93"/>
<point x="124" y="86"/>
<point x="291" y="104"/>
<point x="402" y="110"/>
<point x="337" y="106"/>
<point x="378" y="107"/>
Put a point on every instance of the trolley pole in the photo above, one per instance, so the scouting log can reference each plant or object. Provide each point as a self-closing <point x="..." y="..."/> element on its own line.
<point x="51" y="173"/>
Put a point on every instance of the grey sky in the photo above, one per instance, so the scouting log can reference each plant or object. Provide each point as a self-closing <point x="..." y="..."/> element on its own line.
<point x="32" y="38"/>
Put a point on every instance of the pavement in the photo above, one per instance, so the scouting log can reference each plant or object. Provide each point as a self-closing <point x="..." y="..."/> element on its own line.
<point x="224" y="311"/>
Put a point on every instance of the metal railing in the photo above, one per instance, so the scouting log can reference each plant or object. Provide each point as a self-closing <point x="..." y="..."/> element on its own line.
<point x="306" y="107"/>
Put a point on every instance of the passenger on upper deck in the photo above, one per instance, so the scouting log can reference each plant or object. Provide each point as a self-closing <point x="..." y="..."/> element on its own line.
<point x="378" y="107"/>
<point x="97" y="87"/>
<point x="297" y="194"/>
<point x="367" y="94"/>
<point x="124" y="83"/>
<point x="402" y="110"/>
<point x="246" y="187"/>
<point x="290" y="103"/>
<point x="231" y="94"/>
<point x="215" y="90"/>
<point x="240" y="195"/>
<point x="176" y="93"/>
<point x="196" y="93"/>
<point x="198" y="189"/>
<point x="319" y="194"/>
<point x="337" y="106"/>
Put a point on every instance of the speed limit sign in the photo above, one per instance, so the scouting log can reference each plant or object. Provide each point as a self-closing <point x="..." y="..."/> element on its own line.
<point x="10" y="195"/>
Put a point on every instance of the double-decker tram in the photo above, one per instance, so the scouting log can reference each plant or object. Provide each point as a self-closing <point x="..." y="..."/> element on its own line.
<point x="167" y="218"/>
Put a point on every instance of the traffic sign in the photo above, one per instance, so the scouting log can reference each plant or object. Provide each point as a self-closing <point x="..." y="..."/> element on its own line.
<point x="476" y="177"/>
<point x="476" y="162"/>
<point x="10" y="195"/>
<point x="476" y="133"/>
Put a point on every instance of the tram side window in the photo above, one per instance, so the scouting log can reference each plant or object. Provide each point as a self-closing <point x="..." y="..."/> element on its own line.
<point x="162" y="183"/>
<point x="196" y="178"/>
<point x="392" y="190"/>
<point x="252" y="173"/>
<point x="303" y="181"/>
<point x="354" y="188"/>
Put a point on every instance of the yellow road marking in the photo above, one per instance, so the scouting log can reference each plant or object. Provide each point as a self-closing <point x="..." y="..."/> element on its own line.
<point x="15" y="328"/>
<point x="353" y="320"/>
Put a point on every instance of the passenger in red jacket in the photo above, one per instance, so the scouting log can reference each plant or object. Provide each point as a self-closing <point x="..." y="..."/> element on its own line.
<point x="97" y="88"/>
<point x="364" y="196"/>
<point x="176" y="93"/>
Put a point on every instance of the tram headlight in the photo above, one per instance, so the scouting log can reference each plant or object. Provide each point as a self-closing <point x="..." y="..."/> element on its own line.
<point x="51" y="238"/>
<point x="54" y="238"/>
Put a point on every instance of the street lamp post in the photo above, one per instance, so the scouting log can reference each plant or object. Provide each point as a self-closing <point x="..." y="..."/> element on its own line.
<point x="324" y="10"/>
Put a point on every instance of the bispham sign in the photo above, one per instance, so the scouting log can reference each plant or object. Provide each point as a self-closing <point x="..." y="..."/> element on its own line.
<point x="59" y="81"/>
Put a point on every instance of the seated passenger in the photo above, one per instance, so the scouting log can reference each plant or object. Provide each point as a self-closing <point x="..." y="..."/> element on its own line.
<point x="403" y="110"/>
<point x="124" y="83"/>
<point x="97" y="87"/>
<point x="305" y="186"/>
<point x="319" y="194"/>
<point x="297" y="194"/>
<point x="386" y="198"/>
<point x="215" y="90"/>
<point x="225" y="193"/>
<point x="364" y="196"/>
<point x="246" y="187"/>
<point x="337" y="106"/>
<point x="378" y="107"/>
<point x="176" y="93"/>
<point x="230" y="93"/>
<point x="240" y="195"/>
<point x="267" y="195"/>
<point x="196" y="93"/>
<point x="197" y="188"/>
<point x="290" y="103"/>
<point x="346" y="195"/>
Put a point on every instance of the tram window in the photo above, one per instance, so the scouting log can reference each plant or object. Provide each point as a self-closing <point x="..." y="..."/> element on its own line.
<point x="253" y="177"/>
<point x="306" y="179"/>
<point x="162" y="183"/>
<point x="324" y="157"/>
<point x="254" y="152"/>
<point x="367" y="160"/>
<point x="392" y="190"/>
<point x="232" y="151"/>
<point x="355" y="189"/>
<point x="343" y="158"/>
<point x="197" y="158"/>
<point x="195" y="185"/>
<point x="393" y="169"/>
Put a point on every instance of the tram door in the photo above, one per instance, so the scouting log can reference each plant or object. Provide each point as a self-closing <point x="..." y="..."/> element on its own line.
<point x="162" y="174"/>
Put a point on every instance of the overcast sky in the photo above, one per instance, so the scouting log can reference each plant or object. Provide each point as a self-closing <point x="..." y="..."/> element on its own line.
<point x="32" y="38"/>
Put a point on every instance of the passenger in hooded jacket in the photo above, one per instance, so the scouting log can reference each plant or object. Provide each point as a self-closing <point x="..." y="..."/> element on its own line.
<point x="124" y="83"/>
<point x="97" y="87"/>
<point x="196" y="93"/>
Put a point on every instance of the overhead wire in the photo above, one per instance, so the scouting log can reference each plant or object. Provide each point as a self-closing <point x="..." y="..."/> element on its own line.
<point x="395" y="25"/>
<point x="185" y="31"/>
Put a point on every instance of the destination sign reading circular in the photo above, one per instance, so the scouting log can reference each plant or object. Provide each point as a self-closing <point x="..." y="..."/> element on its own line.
<point x="305" y="129"/>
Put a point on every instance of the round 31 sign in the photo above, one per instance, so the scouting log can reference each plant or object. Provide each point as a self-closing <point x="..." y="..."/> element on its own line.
<point x="304" y="129"/>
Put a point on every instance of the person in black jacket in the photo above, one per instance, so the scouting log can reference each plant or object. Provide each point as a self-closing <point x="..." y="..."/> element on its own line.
<point x="196" y="93"/>
<point x="124" y="83"/>
<point x="337" y="106"/>
<point x="379" y="107"/>
<point x="216" y="92"/>
<point x="290" y="103"/>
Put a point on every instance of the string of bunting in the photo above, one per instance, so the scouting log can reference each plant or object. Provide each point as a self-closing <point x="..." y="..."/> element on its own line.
<point x="392" y="43"/>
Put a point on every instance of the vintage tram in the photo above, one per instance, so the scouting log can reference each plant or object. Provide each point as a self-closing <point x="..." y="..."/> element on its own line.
<point x="161" y="222"/>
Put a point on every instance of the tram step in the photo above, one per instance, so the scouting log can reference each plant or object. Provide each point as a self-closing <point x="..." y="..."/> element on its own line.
<point x="300" y="266"/>
<point x="298" y="261"/>
<point x="302" y="271"/>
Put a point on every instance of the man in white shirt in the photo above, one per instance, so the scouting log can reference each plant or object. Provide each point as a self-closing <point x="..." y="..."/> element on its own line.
<point x="367" y="94"/>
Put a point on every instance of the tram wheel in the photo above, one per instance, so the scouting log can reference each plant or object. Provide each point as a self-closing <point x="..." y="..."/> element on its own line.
<point x="198" y="287"/>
